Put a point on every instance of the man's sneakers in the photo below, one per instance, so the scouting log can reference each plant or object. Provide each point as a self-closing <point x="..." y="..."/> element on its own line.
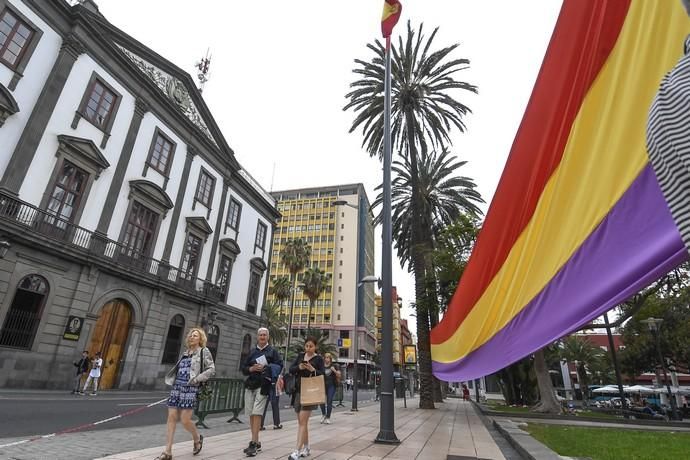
<point x="294" y="456"/>
<point x="327" y="421"/>
<point x="252" y="449"/>
<point x="323" y="418"/>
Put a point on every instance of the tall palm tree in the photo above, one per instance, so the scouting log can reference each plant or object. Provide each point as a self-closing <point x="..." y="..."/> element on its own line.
<point x="444" y="196"/>
<point x="423" y="113"/>
<point x="323" y="346"/>
<point x="583" y="353"/>
<point x="275" y="322"/>
<point x="314" y="283"/>
<point x="294" y="256"/>
<point x="281" y="289"/>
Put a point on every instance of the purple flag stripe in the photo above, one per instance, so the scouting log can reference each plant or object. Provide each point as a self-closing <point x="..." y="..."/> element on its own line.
<point x="633" y="246"/>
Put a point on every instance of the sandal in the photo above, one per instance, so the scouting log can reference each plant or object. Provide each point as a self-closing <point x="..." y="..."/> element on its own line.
<point x="200" y="444"/>
<point x="164" y="456"/>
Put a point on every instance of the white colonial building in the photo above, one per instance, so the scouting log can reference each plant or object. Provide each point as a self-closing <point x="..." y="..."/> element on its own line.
<point x="124" y="216"/>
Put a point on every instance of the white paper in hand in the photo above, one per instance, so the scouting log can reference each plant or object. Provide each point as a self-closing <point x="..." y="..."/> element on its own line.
<point x="262" y="360"/>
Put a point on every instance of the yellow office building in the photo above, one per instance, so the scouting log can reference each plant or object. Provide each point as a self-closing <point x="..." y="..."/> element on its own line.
<point x="336" y="222"/>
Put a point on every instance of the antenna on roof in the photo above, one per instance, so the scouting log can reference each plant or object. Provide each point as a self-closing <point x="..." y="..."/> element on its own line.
<point x="203" y="66"/>
<point x="273" y="175"/>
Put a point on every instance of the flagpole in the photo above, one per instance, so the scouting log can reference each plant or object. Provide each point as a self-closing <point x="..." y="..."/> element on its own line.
<point x="387" y="413"/>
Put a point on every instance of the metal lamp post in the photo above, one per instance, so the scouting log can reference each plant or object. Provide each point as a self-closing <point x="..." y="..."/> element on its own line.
<point x="653" y="324"/>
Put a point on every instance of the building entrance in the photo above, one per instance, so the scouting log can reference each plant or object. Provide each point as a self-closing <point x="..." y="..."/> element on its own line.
<point x="110" y="337"/>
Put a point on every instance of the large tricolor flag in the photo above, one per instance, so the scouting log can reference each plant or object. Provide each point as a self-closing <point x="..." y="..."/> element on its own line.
<point x="578" y="223"/>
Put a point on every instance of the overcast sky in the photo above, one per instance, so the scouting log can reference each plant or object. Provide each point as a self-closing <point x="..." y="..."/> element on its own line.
<point x="280" y="71"/>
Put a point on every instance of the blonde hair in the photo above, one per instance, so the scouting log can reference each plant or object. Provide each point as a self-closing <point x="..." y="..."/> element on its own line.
<point x="328" y="355"/>
<point x="202" y="336"/>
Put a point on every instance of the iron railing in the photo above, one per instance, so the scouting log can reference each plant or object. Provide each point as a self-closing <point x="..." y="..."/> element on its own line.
<point x="38" y="221"/>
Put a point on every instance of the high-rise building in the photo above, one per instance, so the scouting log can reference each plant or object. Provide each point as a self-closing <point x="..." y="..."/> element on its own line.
<point x="397" y="336"/>
<point x="338" y="225"/>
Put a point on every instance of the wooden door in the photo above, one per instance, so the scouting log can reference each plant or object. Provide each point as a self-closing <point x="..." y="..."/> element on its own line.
<point x="110" y="337"/>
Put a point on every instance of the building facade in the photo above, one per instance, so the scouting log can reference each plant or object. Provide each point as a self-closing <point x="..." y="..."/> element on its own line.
<point x="336" y="222"/>
<point x="398" y="351"/>
<point x="124" y="216"/>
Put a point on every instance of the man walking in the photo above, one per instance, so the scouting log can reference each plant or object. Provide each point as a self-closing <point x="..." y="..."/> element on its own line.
<point x="82" y="368"/>
<point x="259" y="367"/>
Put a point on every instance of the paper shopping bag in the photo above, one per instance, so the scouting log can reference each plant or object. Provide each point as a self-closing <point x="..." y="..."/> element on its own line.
<point x="312" y="391"/>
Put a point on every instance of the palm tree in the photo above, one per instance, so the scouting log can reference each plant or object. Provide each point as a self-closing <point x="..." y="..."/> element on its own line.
<point x="444" y="197"/>
<point x="314" y="283"/>
<point x="281" y="289"/>
<point x="323" y="346"/>
<point x="583" y="353"/>
<point x="294" y="256"/>
<point x="423" y="112"/>
<point x="275" y="322"/>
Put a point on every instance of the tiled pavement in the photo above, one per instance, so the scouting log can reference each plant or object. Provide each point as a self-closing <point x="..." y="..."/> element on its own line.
<point x="453" y="431"/>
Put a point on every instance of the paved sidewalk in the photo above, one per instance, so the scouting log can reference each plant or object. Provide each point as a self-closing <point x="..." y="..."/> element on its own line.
<point x="454" y="431"/>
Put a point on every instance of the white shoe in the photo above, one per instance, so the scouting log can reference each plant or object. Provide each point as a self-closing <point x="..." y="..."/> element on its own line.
<point x="294" y="456"/>
<point x="305" y="452"/>
<point x="327" y="421"/>
<point x="323" y="418"/>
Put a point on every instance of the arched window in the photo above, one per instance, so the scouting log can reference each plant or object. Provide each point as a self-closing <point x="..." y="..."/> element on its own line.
<point x="213" y="338"/>
<point x="23" y="317"/>
<point x="174" y="339"/>
<point x="246" y="348"/>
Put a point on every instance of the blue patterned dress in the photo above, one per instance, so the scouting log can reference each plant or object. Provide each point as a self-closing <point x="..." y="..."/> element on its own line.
<point x="183" y="396"/>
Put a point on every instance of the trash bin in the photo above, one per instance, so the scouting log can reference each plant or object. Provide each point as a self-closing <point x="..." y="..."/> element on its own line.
<point x="399" y="388"/>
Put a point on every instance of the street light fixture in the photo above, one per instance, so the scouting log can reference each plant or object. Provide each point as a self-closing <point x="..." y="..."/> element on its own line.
<point x="653" y="324"/>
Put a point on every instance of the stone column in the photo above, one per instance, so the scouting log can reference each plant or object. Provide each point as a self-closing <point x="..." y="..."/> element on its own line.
<point x="219" y="224"/>
<point x="140" y="108"/>
<point x="178" y="204"/>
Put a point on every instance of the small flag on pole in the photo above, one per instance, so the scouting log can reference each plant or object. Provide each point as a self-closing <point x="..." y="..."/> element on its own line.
<point x="391" y="14"/>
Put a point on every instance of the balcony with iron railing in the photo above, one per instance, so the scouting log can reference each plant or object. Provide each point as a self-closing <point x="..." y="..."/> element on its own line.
<point x="19" y="216"/>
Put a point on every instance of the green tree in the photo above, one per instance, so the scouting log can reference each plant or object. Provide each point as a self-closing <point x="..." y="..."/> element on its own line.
<point x="445" y="197"/>
<point x="452" y="251"/>
<point x="275" y="322"/>
<point x="323" y="346"/>
<point x="280" y="288"/>
<point x="314" y="284"/>
<point x="583" y="353"/>
<point x="295" y="257"/>
<point x="423" y="114"/>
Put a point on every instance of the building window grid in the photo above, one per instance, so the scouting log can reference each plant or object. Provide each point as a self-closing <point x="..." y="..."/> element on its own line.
<point x="191" y="257"/>
<point x="15" y="36"/>
<point x="234" y="214"/>
<point x="260" y="240"/>
<point x="161" y="154"/>
<point x="66" y="194"/>
<point x="140" y="230"/>
<point x="98" y="108"/>
<point x="204" y="189"/>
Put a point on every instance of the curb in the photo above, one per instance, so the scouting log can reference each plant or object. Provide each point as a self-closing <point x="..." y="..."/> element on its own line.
<point x="528" y="447"/>
<point x="621" y="421"/>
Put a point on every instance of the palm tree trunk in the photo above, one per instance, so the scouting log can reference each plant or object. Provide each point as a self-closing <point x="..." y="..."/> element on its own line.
<point x="292" y="307"/>
<point x="426" y="397"/>
<point x="311" y="305"/>
<point x="548" y="403"/>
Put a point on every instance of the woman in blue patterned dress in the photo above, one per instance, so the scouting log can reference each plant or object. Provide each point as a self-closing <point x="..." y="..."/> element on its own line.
<point x="194" y="367"/>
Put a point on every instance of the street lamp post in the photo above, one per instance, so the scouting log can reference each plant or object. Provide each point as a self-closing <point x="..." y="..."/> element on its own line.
<point x="653" y="324"/>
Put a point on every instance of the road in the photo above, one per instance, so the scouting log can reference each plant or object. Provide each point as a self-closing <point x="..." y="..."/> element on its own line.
<point x="38" y="413"/>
